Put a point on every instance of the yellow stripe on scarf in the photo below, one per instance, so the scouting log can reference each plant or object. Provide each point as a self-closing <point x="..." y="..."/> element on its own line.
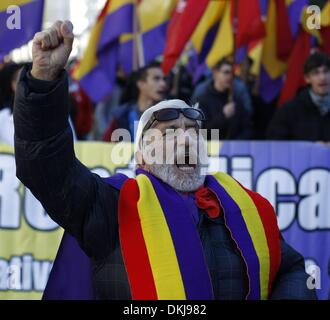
<point x="159" y="244"/>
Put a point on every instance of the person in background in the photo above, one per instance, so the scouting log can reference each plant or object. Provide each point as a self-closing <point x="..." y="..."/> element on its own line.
<point x="81" y="110"/>
<point x="9" y="75"/>
<point x="221" y="108"/>
<point x="240" y="90"/>
<point x="307" y="115"/>
<point x="180" y="83"/>
<point x="149" y="87"/>
<point x="104" y="109"/>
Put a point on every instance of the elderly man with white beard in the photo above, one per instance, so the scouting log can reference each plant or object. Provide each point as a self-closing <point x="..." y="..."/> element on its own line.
<point x="173" y="232"/>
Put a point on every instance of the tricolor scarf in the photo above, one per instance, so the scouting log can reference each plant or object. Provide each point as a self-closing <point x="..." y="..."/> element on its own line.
<point x="162" y="251"/>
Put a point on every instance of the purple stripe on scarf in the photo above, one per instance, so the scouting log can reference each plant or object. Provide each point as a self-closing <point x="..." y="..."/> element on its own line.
<point x="117" y="180"/>
<point x="188" y="247"/>
<point x="238" y="229"/>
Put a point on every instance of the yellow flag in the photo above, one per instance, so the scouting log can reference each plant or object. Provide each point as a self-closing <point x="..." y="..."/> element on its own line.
<point x="223" y="45"/>
<point x="325" y="15"/>
<point x="6" y="3"/>
<point x="273" y="65"/>
<point x="154" y="12"/>
<point x="151" y="14"/>
<point x="255" y="54"/>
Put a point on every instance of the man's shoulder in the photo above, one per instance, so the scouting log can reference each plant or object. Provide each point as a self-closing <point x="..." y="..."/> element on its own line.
<point x="302" y="98"/>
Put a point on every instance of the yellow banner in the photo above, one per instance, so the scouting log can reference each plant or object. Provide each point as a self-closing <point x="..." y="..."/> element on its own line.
<point x="29" y="239"/>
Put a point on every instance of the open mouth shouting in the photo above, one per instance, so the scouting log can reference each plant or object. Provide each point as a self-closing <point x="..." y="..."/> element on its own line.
<point x="185" y="164"/>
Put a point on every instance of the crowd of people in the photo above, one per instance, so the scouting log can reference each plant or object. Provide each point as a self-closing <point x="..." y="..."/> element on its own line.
<point x="229" y="99"/>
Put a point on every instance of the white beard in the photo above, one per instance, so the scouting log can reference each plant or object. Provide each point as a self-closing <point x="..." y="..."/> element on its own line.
<point x="180" y="181"/>
<point x="167" y="168"/>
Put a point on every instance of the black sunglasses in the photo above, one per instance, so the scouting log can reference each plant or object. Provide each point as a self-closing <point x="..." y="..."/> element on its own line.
<point x="173" y="114"/>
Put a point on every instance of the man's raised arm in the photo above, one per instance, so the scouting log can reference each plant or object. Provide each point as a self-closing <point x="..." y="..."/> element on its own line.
<point x="74" y="197"/>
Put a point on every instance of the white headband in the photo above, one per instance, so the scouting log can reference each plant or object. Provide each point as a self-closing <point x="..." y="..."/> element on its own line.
<point x="166" y="104"/>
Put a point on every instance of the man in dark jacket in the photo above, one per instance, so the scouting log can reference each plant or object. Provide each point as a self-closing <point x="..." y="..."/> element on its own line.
<point x="307" y="116"/>
<point x="221" y="110"/>
<point x="195" y="255"/>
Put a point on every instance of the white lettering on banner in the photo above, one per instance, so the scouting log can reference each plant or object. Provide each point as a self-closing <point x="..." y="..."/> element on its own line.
<point x="9" y="194"/>
<point x="314" y="207"/>
<point x="274" y="182"/>
<point x="14" y="275"/>
<point x="40" y="272"/>
<point x="218" y="164"/>
<point x="311" y="191"/>
<point x="24" y="273"/>
<point x="10" y="200"/>
<point x="241" y="170"/>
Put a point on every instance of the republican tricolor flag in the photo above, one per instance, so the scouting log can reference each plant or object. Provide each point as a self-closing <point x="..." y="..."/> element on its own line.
<point x="97" y="69"/>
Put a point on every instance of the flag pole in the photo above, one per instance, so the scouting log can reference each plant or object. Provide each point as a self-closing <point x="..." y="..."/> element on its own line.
<point x="235" y="23"/>
<point x="138" y="53"/>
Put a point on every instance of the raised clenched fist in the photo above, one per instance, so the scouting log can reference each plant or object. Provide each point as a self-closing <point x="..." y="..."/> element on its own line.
<point x="51" y="50"/>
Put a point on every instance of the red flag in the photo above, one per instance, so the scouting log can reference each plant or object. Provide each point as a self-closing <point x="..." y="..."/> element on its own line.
<point x="295" y="73"/>
<point x="181" y="27"/>
<point x="250" y="26"/>
<point x="284" y="39"/>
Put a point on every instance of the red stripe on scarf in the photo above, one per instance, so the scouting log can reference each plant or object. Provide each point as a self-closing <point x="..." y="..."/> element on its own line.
<point x="133" y="245"/>
<point x="269" y="221"/>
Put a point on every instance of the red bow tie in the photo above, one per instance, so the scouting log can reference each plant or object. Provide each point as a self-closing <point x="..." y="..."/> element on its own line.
<point x="207" y="200"/>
